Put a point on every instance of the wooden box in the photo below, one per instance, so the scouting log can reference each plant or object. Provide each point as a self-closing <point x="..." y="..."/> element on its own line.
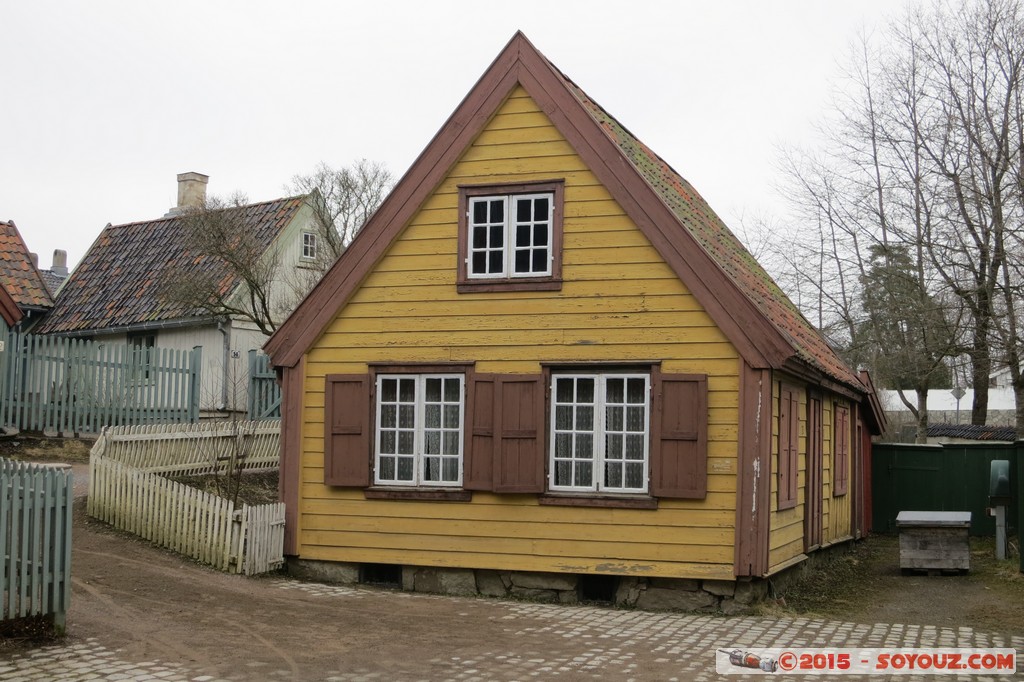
<point x="934" y="541"/>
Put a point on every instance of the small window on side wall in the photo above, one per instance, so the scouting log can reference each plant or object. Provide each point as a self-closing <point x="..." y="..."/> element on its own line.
<point x="510" y="237"/>
<point x="309" y="246"/>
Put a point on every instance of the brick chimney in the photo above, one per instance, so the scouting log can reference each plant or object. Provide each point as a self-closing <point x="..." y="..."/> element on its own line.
<point x="191" y="192"/>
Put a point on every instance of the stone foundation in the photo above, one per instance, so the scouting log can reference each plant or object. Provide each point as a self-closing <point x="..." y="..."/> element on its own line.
<point x="649" y="594"/>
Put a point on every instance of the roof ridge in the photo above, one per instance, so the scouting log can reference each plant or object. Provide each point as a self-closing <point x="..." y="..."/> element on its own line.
<point x="181" y="215"/>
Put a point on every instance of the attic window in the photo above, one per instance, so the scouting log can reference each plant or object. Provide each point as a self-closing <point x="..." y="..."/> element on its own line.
<point x="309" y="246"/>
<point x="510" y="237"/>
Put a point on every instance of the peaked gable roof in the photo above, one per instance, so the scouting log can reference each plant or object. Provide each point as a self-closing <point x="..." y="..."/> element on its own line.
<point x="18" y="274"/>
<point x="753" y="312"/>
<point x="117" y="284"/>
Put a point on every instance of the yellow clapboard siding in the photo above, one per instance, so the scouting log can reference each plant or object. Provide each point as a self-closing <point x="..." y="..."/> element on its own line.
<point x="510" y="562"/>
<point x="573" y="178"/>
<point x="519" y="101"/>
<point x="622" y="254"/>
<point x="519" y="120"/>
<point x="545" y="133"/>
<point x="526" y="169"/>
<point x="666" y="308"/>
<point x="490" y="507"/>
<point x="619" y="302"/>
<point x="590" y="331"/>
<point x="517" y="150"/>
<point x="563" y="548"/>
<point x="396" y="290"/>
<point x="505" y="528"/>
<point x="779" y="557"/>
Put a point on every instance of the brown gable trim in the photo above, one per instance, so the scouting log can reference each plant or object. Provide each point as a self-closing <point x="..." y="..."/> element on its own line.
<point x="292" y="381"/>
<point x="871" y="407"/>
<point x="753" y="475"/>
<point x="9" y="309"/>
<point x="754" y="336"/>
<point x="307" y="322"/>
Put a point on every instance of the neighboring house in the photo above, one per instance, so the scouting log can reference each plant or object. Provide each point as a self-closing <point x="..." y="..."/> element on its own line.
<point x="545" y="354"/>
<point x="21" y="278"/>
<point x="115" y="295"/>
<point x="57" y="274"/>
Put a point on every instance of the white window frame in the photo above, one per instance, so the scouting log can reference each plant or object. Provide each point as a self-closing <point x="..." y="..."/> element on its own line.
<point x="509" y="225"/>
<point x="309" y="246"/>
<point x="599" y="432"/>
<point x="419" y="430"/>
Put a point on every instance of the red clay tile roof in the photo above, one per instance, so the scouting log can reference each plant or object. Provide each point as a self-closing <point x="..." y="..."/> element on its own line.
<point x="18" y="275"/>
<point x="721" y="244"/>
<point x="117" y="284"/>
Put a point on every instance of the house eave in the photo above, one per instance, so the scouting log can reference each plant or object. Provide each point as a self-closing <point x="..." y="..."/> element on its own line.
<point x="140" y="327"/>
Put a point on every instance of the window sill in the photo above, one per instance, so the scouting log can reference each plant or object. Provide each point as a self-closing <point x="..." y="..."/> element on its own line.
<point x="598" y="501"/>
<point x="523" y="284"/>
<point x="433" y="494"/>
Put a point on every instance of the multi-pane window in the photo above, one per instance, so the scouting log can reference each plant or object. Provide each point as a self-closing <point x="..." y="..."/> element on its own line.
<point x="510" y="236"/>
<point x="600" y="432"/>
<point x="143" y="348"/>
<point x="309" y="245"/>
<point x="419" y="429"/>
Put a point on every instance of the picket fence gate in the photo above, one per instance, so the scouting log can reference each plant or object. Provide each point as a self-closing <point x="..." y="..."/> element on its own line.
<point x="35" y="541"/>
<point x="264" y="390"/>
<point x="128" y="489"/>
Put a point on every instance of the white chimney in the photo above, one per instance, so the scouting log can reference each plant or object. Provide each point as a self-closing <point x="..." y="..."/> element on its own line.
<point x="60" y="263"/>
<point x="191" y="192"/>
<point x="192" y="189"/>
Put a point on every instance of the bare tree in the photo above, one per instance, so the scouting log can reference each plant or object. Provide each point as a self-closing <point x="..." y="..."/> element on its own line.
<point x="343" y="199"/>
<point x="239" y="270"/>
<point x="867" y="206"/>
<point x="233" y="267"/>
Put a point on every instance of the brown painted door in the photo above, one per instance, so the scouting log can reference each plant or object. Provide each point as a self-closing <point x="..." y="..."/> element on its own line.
<point x="812" y="495"/>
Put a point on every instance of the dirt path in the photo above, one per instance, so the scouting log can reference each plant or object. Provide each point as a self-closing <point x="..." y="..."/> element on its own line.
<point x="152" y="605"/>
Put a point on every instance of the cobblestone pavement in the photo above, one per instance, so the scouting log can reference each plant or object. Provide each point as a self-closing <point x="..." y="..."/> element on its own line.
<point x="536" y="642"/>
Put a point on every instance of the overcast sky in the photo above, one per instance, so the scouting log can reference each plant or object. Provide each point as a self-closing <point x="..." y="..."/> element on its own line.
<point x="105" y="102"/>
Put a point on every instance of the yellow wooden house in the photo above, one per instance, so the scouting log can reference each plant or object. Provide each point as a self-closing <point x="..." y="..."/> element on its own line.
<point x="546" y="367"/>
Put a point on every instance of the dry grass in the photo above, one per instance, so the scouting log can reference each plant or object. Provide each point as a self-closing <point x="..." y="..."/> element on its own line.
<point x="866" y="585"/>
<point x="255" y="487"/>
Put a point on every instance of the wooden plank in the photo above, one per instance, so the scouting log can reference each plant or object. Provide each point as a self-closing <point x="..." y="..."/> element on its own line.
<point x="529" y="562"/>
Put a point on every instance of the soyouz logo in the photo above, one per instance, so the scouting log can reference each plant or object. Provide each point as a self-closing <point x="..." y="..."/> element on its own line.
<point x="847" y="661"/>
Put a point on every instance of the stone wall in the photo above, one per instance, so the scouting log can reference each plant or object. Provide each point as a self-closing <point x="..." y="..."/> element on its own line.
<point x="649" y="594"/>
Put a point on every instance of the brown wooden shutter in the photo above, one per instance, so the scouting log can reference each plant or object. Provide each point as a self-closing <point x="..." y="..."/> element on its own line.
<point x="679" y="428"/>
<point x="479" y="443"/>
<point x="841" y="465"/>
<point x="519" y="425"/>
<point x="789" y="440"/>
<point x="347" y="430"/>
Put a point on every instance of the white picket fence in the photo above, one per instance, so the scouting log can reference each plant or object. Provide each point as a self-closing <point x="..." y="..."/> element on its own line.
<point x="35" y="541"/>
<point x="128" y="491"/>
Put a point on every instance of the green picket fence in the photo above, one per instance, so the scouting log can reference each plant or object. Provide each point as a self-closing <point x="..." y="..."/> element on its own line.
<point x="35" y="541"/>
<point x="264" y="391"/>
<point x="56" y="384"/>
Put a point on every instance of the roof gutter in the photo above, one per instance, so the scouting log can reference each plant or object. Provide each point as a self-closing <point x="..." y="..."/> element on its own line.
<point x="139" y="327"/>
